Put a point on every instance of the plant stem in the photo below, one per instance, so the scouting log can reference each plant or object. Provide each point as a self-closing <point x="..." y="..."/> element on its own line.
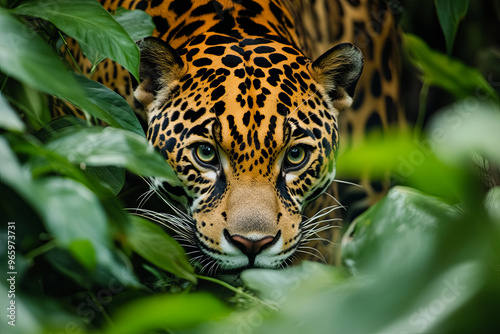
<point x="69" y="53"/>
<point x="422" y="106"/>
<point x="4" y="83"/>
<point x="40" y="250"/>
<point x="238" y="291"/>
<point x="101" y="308"/>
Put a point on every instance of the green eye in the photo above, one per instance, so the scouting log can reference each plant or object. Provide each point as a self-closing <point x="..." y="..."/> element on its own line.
<point x="296" y="155"/>
<point x="205" y="153"/>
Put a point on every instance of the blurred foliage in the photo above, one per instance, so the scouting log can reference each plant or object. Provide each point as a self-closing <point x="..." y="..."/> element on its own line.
<point x="425" y="259"/>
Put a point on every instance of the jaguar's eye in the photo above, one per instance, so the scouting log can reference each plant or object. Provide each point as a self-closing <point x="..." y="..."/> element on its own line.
<point x="205" y="154"/>
<point x="296" y="156"/>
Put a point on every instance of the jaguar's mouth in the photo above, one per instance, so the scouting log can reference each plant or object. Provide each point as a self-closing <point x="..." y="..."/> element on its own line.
<point x="236" y="272"/>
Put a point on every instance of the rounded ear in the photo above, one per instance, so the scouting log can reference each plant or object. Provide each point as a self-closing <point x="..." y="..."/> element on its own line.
<point x="338" y="71"/>
<point x="159" y="66"/>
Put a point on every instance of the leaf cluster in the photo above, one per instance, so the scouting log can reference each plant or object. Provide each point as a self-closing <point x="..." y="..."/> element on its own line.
<point x="424" y="259"/>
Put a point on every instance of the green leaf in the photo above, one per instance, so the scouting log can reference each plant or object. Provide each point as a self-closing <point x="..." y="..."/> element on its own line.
<point x="113" y="177"/>
<point x="91" y="25"/>
<point x="9" y="119"/>
<point x="137" y="23"/>
<point x="59" y="126"/>
<point x="97" y="146"/>
<point x="418" y="265"/>
<point x="450" y="74"/>
<point x="167" y="311"/>
<point x="12" y="173"/>
<point x="376" y="155"/>
<point x="27" y="57"/>
<point x="109" y="106"/>
<point x="43" y="161"/>
<point x="153" y="244"/>
<point x="466" y="128"/>
<point x="71" y="211"/>
<point x="450" y="13"/>
<point x="83" y="252"/>
<point x="271" y="284"/>
<point x="492" y="204"/>
<point x="400" y="216"/>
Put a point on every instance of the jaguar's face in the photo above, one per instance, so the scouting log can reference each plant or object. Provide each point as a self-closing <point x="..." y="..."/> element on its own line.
<point x="250" y="129"/>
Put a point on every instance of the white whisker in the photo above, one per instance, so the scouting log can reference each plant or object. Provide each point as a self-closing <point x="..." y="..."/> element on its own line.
<point x="348" y="182"/>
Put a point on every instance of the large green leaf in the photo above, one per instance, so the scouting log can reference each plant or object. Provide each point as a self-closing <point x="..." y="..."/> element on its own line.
<point x="167" y="312"/>
<point x="43" y="161"/>
<point x="69" y="210"/>
<point x="12" y="173"/>
<point x="271" y="284"/>
<point x="91" y="25"/>
<point x="9" y="119"/>
<point x="450" y="12"/>
<point x="418" y="267"/>
<point x="109" y="106"/>
<point x="451" y="74"/>
<point x="410" y="161"/>
<point x="113" y="178"/>
<point x="97" y="146"/>
<point x="466" y="128"/>
<point x="27" y="57"/>
<point x="73" y="215"/>
<point x="153" y="244"/>
<point x="137" y="24"/>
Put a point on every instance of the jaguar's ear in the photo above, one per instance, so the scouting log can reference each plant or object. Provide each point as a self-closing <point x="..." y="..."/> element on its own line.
<point x="160" y="65"/>
<point x="338" y="71"/>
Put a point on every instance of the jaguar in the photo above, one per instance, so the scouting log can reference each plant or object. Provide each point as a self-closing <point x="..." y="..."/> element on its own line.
<point x="243" y="100"/>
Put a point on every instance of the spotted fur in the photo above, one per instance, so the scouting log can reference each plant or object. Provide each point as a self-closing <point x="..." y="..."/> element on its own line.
<point x="231" y="99"/>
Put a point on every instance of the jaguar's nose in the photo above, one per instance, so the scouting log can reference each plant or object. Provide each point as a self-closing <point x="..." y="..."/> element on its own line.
<point x="251" y="247"/>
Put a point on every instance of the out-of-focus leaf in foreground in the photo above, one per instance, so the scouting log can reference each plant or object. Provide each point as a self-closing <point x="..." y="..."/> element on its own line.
<point x="418" y="267"/>
<point x="9" y="119"/>
<point x="466" y="128"/>
<point x="170" y="312"/>
<point x="153" y="244"/>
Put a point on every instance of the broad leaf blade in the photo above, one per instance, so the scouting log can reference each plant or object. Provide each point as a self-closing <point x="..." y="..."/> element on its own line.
<point x="451" y="74"/>
<point x="167" y="311"/>
<point x="109" y="106"/>
<point x="112" y="177"/>
<point x="9" y="119"/>
<point x="91" y="25"/>
<point x="153" y="244"/>
<point x="71" y="211"/>
<point x="83" y="252"/>
<point x="98" y="146"/>
<point x="450" y="12"/>
<point x="12" y="173"/>
<point x="137" y="24"/>
<point x="454" y="132"/>
<point x="29" y="59"/>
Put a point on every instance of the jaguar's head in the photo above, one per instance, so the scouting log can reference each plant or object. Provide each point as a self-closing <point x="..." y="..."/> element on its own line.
<point x="250" y="128"/>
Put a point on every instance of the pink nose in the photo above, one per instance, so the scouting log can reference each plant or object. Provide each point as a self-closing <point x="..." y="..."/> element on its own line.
<point x="251" y="248"/>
